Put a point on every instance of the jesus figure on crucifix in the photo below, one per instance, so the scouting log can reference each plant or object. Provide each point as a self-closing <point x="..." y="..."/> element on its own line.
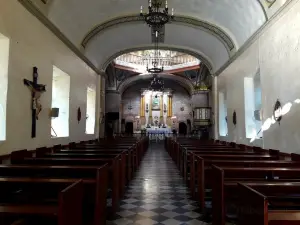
<point x="36" y="92"/>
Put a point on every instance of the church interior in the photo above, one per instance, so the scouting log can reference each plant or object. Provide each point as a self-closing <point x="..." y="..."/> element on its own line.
<point x="159" y="112"/>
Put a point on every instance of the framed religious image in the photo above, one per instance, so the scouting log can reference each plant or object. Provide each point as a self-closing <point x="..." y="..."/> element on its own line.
<point x="155" y="102"/>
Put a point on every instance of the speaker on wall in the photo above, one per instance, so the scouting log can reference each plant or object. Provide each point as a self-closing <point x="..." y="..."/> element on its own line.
<point x="54" y="112"/>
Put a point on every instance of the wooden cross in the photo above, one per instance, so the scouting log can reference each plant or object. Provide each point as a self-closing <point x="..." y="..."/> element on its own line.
<point x="36" y="92"/>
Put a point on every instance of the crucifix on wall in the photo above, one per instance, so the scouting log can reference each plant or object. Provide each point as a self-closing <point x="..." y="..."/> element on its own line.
<point x="36" y="92"/>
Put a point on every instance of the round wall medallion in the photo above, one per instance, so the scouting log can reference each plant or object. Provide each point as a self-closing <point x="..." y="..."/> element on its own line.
<point x="78" y="114"/>
<point x="234" y="118"/>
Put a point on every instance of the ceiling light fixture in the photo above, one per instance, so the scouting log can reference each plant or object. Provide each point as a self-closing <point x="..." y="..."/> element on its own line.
<point x="157" y="16"/>
<point x="157" y="84"/>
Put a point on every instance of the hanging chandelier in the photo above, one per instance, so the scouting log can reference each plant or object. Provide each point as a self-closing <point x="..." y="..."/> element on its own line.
<point x="157" y="16"/>
<point x="155" y="61"/>
<point x="156" y="84"/>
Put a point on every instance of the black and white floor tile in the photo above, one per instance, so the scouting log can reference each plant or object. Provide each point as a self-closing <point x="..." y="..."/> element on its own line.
<point x="157" y="195"/>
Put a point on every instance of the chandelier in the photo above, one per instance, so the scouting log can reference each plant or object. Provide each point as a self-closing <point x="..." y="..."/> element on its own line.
<point x="157" y="16"/>
<point x="155" y="61"/>
<point x="156" y="84"/>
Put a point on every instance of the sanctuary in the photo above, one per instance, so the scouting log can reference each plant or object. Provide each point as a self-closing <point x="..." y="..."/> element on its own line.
<point x="156" y="111"/>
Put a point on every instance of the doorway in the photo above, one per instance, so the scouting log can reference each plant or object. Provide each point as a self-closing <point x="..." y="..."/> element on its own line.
<point x="129" y="128"/>
<point x="182" y="128"/>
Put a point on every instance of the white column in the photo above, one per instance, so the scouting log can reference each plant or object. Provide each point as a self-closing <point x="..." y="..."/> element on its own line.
<point x="147" y="107"/>
<point x="165" y="108"/>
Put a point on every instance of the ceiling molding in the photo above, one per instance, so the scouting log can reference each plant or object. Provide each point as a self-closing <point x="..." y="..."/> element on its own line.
<point x="264" y="9"/>
<point x="187" y="21"/>
<point x="203" y="59"/>
<point x="29" y="5"/>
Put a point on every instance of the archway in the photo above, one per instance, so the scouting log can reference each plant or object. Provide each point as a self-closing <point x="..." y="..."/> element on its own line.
<point x="182" y="128"/>
<point x="129" y="128"/>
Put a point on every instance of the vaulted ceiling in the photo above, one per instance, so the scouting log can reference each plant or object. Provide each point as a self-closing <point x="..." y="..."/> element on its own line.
<point x="212" y="30"/>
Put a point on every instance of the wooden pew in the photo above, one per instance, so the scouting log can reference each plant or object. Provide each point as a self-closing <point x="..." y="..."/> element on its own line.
<point x="113" y="171"/>
<point x="122" y="166"/>
<point x="130" y="162"/>
<point x="224" y="184"/>
<point x="269" y="204"/>
<point x="136" y="152"/>
<point x="201" y="171"/>
<point x="21" y="197"/>
<point x="94" y="180"/>
<point x="226" y="157"/>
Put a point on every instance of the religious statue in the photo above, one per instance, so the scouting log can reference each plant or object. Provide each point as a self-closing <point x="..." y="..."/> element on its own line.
<point x="165" y="108"/>
<point x="155" y="103"/>
<point x="36" y="92"/>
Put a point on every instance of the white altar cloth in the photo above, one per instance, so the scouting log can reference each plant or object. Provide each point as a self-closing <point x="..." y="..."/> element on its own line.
<point x="156" y="130"/>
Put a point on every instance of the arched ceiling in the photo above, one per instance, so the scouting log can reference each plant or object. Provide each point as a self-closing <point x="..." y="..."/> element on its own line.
<point x="213" y="30"/>
<point x="239" y="18"/>
<point x="122" y="37"/>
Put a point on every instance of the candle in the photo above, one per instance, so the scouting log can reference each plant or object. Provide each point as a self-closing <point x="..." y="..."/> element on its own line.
<point x="172" y="11"/>
<point x="150" y="3"/>
<point x="141" y="9"/>
<point x="166" y="4"/>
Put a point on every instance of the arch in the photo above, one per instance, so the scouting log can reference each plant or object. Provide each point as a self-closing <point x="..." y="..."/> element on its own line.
<point x="204" y="59"/>
<point x="213" y="29"/>
<point x="183" y="81"/>
<point x="182" y="128"/>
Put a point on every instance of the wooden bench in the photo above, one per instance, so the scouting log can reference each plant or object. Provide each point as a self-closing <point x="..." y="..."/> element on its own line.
<point x="113" y="170"/>
<point x="201" y="172"/>
<point x="22" y="197"/>
<point x="129" y="161"/>
<point x="224" y="184"/>
<point x="95" y="180"/>
<point x="122" y="165"/>
<point x="269" y="203"/>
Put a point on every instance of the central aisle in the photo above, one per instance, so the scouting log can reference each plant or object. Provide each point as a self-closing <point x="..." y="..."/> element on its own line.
<point x="158" y="194"/>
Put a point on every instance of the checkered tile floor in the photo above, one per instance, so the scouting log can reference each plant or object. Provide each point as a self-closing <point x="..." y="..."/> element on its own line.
<point x="157" y="195"/>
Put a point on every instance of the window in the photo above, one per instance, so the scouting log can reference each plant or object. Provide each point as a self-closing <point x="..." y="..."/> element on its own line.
<point x="223" y="130"/>
<point x="90" y="111"/>
<point x="252" y="95"/>
<point x="4" y="58"/>
<point x="60" y="100"/>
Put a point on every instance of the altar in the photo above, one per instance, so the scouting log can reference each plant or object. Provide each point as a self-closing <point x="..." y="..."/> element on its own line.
<point x="157" y="130"/>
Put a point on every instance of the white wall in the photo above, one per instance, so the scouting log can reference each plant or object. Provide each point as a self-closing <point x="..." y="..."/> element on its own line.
<point x="4" y="57"/>
<point x="32" y="44"/>
<point x="276" y="52"/>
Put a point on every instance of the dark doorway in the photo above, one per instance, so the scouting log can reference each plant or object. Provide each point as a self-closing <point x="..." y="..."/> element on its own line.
<point x="129" y="128"/>
<point x="182" y="128"/>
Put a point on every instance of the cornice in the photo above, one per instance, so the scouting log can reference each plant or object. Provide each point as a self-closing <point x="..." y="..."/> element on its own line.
<point x="178" y="19"/>
<point x="29" y="5"/>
